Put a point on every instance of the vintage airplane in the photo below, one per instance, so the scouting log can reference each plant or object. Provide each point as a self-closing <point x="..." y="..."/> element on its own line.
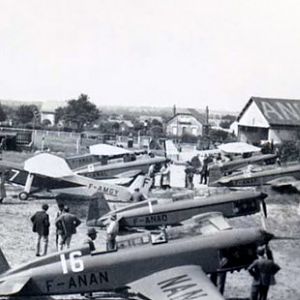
<point x="260" y="176"/>
<point x="52" y="173"/>
<point x="236" y="164"/>
<point x="153" y="213"/>
<point x="106" y="161"/>
<point x="99" y="171"/>
<point x="174" y="269"/>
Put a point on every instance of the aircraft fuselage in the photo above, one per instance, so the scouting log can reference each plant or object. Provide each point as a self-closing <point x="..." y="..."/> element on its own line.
<point x="158" y="214"/>
<point x="260" y="177"/>
<point x="76" y="271"/>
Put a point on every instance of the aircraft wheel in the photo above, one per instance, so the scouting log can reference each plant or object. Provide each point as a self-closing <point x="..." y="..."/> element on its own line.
<point x="23" y="196"/>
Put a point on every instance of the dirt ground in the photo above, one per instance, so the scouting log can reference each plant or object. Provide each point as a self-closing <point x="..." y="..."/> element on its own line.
<point x="18" y="241"/>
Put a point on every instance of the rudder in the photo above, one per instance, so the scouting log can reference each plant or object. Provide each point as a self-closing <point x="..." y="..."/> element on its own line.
<point x="98" y="207"/>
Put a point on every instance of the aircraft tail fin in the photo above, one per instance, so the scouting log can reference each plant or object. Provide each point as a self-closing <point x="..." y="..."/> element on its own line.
<point x="214" y="175"/>
<point x="4" y="266"/>
<point x="98" y="207"/>
<point x="142" y="182"/>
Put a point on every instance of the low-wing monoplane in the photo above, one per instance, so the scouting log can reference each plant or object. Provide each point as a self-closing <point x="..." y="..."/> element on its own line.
<point x="52" y="173"/>
<point x="159" y="212"/>
<point x="236" y="164"/>
<point x="257" y="177"/>
<point x="171" y="270"/>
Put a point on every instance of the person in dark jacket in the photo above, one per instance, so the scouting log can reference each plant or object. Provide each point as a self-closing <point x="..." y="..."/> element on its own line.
<point x="68" y="222"/>
<point x="40" y="225"/>
<point x="262" y="270"/>
<point x="91" y="236"/>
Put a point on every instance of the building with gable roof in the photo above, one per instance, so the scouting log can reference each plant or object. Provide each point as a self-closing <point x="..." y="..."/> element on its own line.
<point x="268" y="119"/>
<point x="186" y="121"/>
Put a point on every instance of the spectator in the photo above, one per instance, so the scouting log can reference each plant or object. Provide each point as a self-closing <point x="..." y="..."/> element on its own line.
<point x="262" y="270"/>
<point x="59" y="229"/>
<point x="112" y="231"/>
<point x="40" y="225"/>
<point x="165" y="176"/>
<point x="91" y="236"/>
<point x="137" y="196"/>
<point x="68" y="222"/>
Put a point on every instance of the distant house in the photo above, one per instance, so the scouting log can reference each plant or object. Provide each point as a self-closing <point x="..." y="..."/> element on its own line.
<point x="126" y="125"/>
<point x="186" y="122"/>
<point x="273" y="120"/>
<point x="47" y="111"/>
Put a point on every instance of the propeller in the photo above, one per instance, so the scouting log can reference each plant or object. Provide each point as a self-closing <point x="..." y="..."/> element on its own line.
<point x="282" y="238"/>
<point x="264" y="207"/>
<point x="264" y="213"/>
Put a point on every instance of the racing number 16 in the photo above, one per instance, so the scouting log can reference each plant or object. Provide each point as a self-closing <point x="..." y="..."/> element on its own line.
<point x="76" y="263"/>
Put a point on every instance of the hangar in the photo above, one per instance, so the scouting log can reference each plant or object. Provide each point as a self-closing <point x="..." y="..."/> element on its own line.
<point x="268" y="119"/>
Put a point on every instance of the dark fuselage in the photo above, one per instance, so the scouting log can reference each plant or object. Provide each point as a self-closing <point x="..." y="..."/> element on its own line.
<point x="160" y="213"/>
<point x="78" y="272"/>
<point x="260" y="177"/>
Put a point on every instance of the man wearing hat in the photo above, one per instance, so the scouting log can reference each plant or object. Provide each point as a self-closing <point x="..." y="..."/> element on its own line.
<point x="91" y="236"/>
<point x="40" y="225"/>
<point x="262" y="270"/>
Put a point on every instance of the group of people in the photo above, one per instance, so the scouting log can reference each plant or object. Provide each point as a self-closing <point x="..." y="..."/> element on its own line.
<point x="165" y="175"/>
<point x="65" y="223"/>
<point x="195" y="166"/>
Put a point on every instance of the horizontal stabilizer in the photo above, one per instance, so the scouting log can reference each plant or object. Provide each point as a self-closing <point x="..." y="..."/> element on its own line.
<point x="13" y="287"/>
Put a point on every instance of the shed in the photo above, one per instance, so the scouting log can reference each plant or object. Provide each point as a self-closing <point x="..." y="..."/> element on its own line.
<point x="269" y="119"/>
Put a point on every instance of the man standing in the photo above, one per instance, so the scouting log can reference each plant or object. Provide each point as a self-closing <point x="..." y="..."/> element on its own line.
<point x="112" y="231"/>
<point x="68" y="222"/>
<point x="263" y="271"/>
<point x="59" y="229"/>
<point x="40" y="225"/>
<point x="165" y="178"/>
<point x="137" y="196"/>
<point x="204" y="170"/>
<point x="91" y="236"/>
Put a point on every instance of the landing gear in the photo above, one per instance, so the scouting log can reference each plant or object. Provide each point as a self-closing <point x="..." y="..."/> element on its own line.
<point x="23" y="196"/>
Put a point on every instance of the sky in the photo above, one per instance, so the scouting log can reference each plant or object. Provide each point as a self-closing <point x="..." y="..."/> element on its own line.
<point x="188" y="53"/>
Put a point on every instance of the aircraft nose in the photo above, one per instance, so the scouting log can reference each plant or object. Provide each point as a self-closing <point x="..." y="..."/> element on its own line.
<point x="267" y="236"/>
<point x="263" y="195"/>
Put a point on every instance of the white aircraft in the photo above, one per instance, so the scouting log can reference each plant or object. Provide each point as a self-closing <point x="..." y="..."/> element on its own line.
<point x="51" y="173"/>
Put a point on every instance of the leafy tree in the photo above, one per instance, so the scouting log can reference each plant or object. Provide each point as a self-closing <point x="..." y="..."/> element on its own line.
<point x="227" y="120"/>
<point x="27" y="113"/>
<point x="3" y="115"/>
<point x="80" y="112"/>
<point x="116" y="126"/>
<point x="59" y="113"/>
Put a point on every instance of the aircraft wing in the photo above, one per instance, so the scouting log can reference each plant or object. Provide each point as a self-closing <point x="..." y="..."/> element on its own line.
<point x="12" y="287"/>
<point x="210" y="222"/>
<point x="183" y="282"/>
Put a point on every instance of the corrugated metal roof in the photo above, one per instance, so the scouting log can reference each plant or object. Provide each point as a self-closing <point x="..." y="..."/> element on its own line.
<point x="277" y="111"/>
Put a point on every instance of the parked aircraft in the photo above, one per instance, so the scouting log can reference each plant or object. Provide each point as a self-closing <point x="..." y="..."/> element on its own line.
<point x="260" y="176"/>
<point x="154" y="213"/>
<point x="52" y="173"/>
<point x="99" y="171"/>
<point x="236" y="164"/>
<point x="176" y="268"/>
